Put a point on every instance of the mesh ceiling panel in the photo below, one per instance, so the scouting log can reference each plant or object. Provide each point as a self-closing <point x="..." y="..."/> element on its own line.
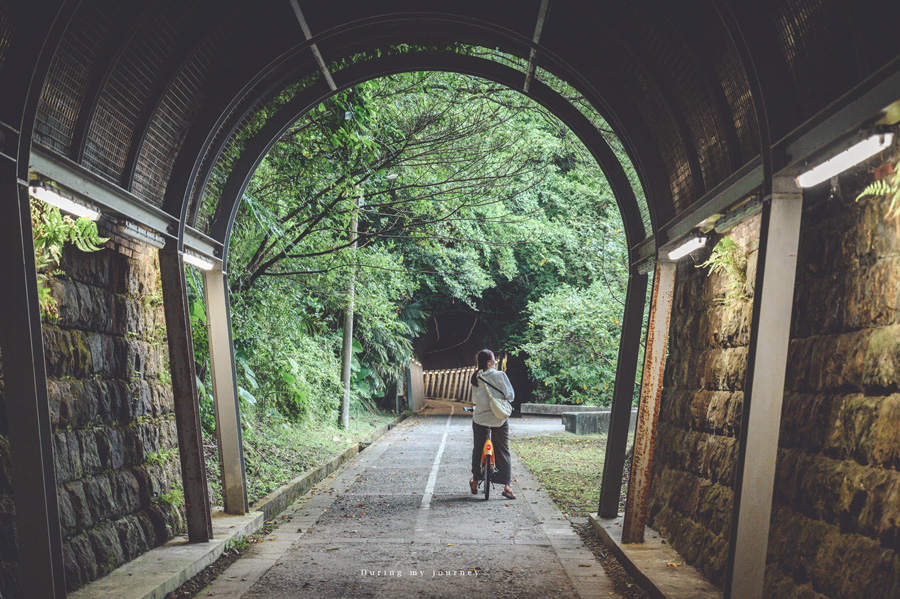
<point x="67" y="82"/>
<point x="677" y="71"/>
<point x="7" y="22"/>
<point x="817" y="46"/>
<point x="717" y="47"/>
<point x="132" y="79"/>
<point x="174" y="116"/>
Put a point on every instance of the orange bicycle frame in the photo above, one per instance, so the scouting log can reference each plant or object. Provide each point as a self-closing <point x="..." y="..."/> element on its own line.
<point x="487" y="454"/>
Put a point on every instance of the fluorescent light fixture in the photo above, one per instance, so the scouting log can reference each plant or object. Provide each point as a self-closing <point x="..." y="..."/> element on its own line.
<point x="54" y="197"/>
<point x="198" y="261"/>
<point x="849" y="157"/>
<point x="694" y="243"/>
<point x="141" y="234"/>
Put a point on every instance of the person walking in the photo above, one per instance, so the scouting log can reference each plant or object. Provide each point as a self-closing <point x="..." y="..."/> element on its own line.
<point x="483" y="420"/>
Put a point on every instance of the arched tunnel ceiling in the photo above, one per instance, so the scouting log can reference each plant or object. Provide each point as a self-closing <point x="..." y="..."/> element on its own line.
<point x="147" y="96"/>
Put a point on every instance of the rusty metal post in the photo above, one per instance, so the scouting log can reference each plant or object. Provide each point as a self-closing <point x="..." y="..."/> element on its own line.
<point x="648" y="409"/>
<point x="764" y="390"/>
<point x="187" y="401"/>
<point x="225" y="392"/>
<point x="623" y="394"/>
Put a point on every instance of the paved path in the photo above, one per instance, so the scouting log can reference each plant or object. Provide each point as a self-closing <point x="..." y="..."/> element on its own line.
<point x="399" y="521"/>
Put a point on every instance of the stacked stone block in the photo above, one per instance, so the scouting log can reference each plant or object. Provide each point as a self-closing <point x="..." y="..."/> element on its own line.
<point x="111" y="408"/>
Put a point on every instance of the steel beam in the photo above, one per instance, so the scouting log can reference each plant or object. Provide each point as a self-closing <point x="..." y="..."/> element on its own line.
<point x="25" y="393"/>
<point x="225" y="392"/>
<point x="187" y="401"/>
<point x="26" y="398"/>
<point x="112" y="199"/>
<point x="764" y="390"/>
<point x="648" y="409"/>
<point x="623" y="393"/>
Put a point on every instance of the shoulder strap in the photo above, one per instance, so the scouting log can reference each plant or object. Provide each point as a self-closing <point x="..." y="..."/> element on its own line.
<point x="481" y="378"/>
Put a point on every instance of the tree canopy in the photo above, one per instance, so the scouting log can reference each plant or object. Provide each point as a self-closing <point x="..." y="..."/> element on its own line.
<point x="467" y="192"/>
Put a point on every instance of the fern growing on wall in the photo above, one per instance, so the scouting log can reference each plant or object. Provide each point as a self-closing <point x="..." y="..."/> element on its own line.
<point x="888" y="187"/>
<point x="729" y="259"/>
<point x="51" y="231"/>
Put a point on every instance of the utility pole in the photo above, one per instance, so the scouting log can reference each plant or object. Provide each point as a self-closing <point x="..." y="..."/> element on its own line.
<point x="347" y="356"/>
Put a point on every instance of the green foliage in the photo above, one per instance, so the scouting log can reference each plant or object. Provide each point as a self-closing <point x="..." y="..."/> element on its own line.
<point x="572" y="342"/>
<point x="175" y="496"/>
<point x="888" y="187"/>
<point x="730" y="260"/>
<point x="51" y="231"/>
<point x="160" y="458"/>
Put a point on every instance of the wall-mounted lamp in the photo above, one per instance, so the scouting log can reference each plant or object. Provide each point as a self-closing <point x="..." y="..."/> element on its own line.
<point x="689" y="245"/>
<point x="140" y="233"/>
<point x="50" y="195"/>
<point x="853" y="155"/>
<point x="197" y="260"/>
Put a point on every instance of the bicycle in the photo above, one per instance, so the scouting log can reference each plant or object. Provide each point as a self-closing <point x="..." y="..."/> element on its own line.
<point x="487" y="457"/>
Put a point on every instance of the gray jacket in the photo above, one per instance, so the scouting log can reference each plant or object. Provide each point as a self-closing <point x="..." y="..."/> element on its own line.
<point x="482" y="399"/>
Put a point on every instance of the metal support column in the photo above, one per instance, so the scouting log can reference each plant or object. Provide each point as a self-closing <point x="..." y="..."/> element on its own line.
<point x="623" y="394"/>
<point x="187" y="402"/>
<point x="648" y="408"/>
<point x="26" y="397"/>
<point x="225" y="392"/>
<point x="764" y="390"/>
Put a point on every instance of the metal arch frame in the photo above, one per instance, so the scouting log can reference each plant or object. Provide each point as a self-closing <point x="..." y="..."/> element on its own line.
<point x="610" y="104"/>
<point x="757" y="45"/>
<point x="683" y="130"/>
<point x="631" y="131"/>
<point x="129" y="24"/>
<point x="685" y="32"/>
<point x="180" y="58"/>
<point x="751" y="584"/>
<point x="262" y="142"/>
<point x="35" y="498"/>
<point x="209" y="121"/>
<point x="210" y="131"/>
<point x="685" y="133"/>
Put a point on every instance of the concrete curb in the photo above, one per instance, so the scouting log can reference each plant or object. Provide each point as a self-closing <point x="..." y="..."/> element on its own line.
<point x="160" y="571"/>
<point x="646" y="562"/>
<point x="277" y="501"/>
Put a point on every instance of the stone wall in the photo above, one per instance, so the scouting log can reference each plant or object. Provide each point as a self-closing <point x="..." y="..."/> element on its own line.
<point x="700" y="414"/>
<point x="111" y="405"/>
<point x="835" y="528"/>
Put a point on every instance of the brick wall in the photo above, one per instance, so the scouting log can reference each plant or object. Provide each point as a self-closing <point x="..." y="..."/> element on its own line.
<point x="111" y="410"/>
<point x="836" y="515"/>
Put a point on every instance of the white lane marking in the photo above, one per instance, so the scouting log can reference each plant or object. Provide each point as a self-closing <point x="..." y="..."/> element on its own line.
<point x="432" y="478"/>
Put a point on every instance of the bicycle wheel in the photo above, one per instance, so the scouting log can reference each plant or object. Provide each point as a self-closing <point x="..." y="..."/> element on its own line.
<point x="488" y="472"/>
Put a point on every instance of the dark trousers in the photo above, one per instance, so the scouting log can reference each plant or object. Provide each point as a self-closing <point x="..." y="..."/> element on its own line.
<point x="500" y="439"/>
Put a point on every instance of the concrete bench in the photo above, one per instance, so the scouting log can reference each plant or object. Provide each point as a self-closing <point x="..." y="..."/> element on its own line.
<point x="591" y="423"/>
<point x="549" y="409"/>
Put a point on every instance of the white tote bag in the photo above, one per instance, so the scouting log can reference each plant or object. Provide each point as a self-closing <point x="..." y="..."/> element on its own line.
<point x="500" y="406"/>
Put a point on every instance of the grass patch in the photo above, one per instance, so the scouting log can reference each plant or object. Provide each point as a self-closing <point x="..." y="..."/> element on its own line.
<point x="568" y="466"/>
<point x="276" y="451"/>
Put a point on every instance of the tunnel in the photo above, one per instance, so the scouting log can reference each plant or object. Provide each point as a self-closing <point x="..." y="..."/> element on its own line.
<point x="155" y="115"/>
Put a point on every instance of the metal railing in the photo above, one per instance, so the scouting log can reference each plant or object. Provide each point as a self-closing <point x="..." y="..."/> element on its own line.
<point x="450" y="384"/>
